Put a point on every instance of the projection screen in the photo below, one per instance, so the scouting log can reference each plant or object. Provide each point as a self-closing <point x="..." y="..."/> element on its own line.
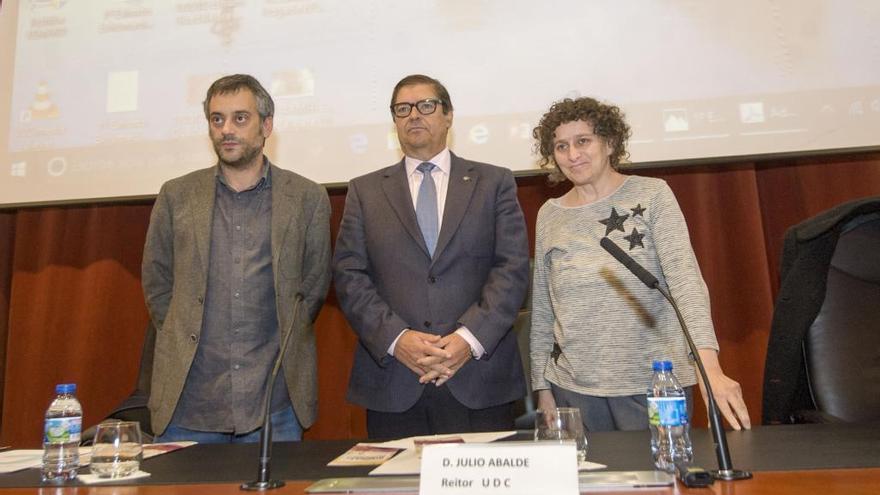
<point x="102" y="98"/>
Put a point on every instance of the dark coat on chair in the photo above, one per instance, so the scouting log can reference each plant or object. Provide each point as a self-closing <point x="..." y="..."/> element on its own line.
<point x="806" y="256"/>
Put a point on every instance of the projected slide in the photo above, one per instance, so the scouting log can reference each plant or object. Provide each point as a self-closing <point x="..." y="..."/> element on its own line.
<point x="103" y="98"/>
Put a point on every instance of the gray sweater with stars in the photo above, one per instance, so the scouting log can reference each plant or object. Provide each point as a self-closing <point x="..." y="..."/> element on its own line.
<point x="609" y="325"/>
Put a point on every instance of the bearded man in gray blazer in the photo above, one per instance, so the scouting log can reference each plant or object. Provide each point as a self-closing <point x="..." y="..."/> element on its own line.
<point x="230" y="251"/>
<point x="431" y="267"/>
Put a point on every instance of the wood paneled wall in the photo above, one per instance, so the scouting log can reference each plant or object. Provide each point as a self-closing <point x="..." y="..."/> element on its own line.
<point x="71" y="307"/>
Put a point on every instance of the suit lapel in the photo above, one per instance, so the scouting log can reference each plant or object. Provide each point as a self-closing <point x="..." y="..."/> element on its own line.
<point x="462" y="182"/>
<point x="202" y="210"/>
<point x="283" y="211"/>
<point x="396" y="188"/>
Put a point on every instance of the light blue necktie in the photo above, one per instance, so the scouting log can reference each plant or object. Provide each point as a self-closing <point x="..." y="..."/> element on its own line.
<point x="426" y="207"/>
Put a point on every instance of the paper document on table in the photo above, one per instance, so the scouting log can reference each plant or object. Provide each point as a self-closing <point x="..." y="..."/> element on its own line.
<point x="590" y="466"/>
<point x="407" y="462"/>
<point x="154" y="449"/>
<point x="373" y="454"/>
<point x="364" y="454"/>
<point x="16" y="460"/>
<point x="409" y="443"/>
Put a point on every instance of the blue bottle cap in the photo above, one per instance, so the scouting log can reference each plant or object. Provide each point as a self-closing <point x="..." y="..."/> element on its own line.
<point x="65" y="388"/>
<point x="662" y="366"/>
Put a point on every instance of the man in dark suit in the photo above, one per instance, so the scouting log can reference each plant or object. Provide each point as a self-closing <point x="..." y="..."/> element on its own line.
<point x="431" y="266"/>
<point x="229" y="251"/>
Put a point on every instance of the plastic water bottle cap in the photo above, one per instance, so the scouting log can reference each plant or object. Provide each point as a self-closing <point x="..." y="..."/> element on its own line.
<point x="65" y="388"/>
<point x="662" y="366"/>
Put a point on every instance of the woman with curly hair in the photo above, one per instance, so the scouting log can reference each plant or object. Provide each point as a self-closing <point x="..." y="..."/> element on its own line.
<point x="595" y="327"/>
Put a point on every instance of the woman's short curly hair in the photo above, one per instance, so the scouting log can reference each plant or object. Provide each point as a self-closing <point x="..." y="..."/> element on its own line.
<point x="607" y="120"/>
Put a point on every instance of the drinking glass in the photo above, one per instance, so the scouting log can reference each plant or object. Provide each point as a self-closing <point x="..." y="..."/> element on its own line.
<point x="562" y="424"/>
<point x="117" y="451"/>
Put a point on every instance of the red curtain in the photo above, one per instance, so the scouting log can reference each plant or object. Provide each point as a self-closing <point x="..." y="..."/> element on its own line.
<point x="71" y="306"/>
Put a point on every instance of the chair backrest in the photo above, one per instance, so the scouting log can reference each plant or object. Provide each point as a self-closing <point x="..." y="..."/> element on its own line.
<point x="524" y="409"/>
<point x="822" y="352"/>
<point x="842" y="346"/>
<point x="134" y="407"/>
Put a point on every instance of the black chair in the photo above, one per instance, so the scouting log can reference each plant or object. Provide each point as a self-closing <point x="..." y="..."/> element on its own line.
<point x="823" y="357"/>
<point x="524" y="409"/>
<point x="134" y="408"/>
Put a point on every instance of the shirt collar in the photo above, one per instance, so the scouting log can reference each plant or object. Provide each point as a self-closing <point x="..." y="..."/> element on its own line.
<point x="441" y="160"/>
<point x="265" y="176"/>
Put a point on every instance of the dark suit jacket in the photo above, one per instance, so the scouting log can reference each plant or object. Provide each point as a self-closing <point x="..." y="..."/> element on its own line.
<point x="386" y="281"/>
<point x="175" y="277"/>
<point x="806" y="255"/>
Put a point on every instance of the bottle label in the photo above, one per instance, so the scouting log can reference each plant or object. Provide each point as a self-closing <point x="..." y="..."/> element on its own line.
<point x="667" y="411"/>
<point x="63" y="430"/>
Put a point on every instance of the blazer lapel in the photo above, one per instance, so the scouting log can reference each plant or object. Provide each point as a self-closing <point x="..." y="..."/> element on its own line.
<point x="283" y="211"/>
<point x="462" y="183"/>
<point x="396" y="188"/>
<point x="202" y="210"/>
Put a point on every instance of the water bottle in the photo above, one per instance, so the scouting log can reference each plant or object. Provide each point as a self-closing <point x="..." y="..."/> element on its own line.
<point x="668" y="419"/>
<point x="62" y="435"/>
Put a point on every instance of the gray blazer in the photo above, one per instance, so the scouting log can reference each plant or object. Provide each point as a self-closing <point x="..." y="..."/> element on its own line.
<point x="175" y="276"/>
<point x="386" y="281"/>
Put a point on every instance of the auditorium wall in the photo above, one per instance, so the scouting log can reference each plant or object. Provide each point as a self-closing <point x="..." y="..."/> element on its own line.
<point x="71" y="306"/>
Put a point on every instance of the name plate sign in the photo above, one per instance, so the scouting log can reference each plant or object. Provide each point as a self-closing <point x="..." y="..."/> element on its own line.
<point x="509" y="468"/>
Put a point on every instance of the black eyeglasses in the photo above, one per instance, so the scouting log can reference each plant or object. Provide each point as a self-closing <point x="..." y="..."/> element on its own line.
<point x="425" y="107"/>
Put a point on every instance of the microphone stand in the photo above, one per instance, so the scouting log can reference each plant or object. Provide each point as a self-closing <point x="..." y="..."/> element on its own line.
<point x="725" y="471"/>
<point x="264" y="481"/>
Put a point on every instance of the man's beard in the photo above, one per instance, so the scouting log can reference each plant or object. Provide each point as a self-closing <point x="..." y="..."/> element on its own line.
<point x="247" y="156"/>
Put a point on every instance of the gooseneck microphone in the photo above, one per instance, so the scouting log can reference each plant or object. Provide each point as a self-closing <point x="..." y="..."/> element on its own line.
<point x="632" y="265"/>
<point x="264" y="481"/>
<point x="725" y="467"/>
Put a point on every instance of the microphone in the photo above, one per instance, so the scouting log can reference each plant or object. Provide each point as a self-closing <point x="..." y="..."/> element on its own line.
<point x="264" y="481"/>
<point x="725" y="470"/>
<point x="626" y="260"/>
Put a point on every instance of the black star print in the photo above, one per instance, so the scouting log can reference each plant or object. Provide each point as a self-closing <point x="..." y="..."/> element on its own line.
<point x="614" y="222"/>
<point x="638" y="210"/>
<point x="635" y="239"/>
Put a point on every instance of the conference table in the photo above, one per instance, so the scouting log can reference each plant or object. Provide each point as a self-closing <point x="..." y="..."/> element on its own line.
<point x="786" y="459"/>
